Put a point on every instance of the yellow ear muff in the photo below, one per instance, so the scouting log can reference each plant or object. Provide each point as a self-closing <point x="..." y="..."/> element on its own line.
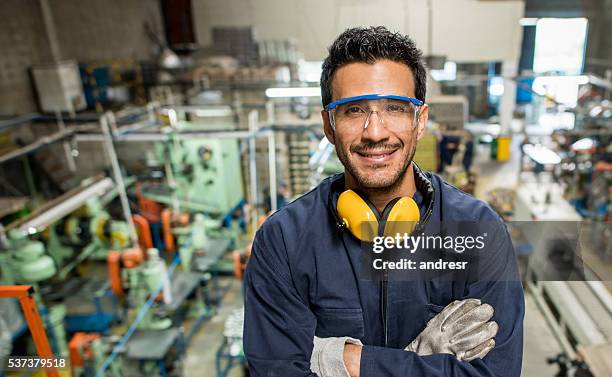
<point x="357" y="216"/>
<point x="403" y="217"/>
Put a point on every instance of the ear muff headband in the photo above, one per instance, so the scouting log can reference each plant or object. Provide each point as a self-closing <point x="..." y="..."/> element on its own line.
<point x="401" y="215"/>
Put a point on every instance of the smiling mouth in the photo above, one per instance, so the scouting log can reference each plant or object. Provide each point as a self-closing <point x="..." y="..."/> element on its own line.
<point x="376" y="156"/>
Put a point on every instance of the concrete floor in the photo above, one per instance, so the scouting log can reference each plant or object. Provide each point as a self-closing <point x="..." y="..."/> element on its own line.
<point x="201" y="353"/>
<point x="539" y="341"/>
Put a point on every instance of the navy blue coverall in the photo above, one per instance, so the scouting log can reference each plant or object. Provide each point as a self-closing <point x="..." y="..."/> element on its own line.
<point x="301" y="281"/>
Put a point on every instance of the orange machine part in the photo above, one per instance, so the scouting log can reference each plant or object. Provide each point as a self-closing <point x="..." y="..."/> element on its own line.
<point x="183" y="219"/>
<point x="240" y="261"/>
<point x="144" y="231"/>
<point x="238" y="271"/>
<point x="32" y="316"/>
<point x="129" y="259"/>
<point x="603" y="166"/>
<point x="149" y="208"/>
<point x="113" y="261"/>
<point x="132" y="257"/>
<point x="80" y="346"/>
<point x="166" y="219"/>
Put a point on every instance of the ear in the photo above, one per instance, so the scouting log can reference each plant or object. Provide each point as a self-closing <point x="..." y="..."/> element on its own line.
<point x="327" y="128"/>
<point x="423" y="117"/>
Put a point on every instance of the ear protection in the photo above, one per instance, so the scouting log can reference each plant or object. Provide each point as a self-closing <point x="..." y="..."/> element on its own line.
<point x="359" y="216"/>
<point x="365" y="222"/>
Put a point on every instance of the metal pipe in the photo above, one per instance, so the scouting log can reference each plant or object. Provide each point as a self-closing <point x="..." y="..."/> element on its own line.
<point x="110" y="150"/>
<point x="158" y="136"/>
<point x="252" y="121"/>
<point x="170" y="178"/>
<point x="201" y="134"/>
<point x="65" y="207"/>
<point x="201" y="111"/>
<point x="133" y="111"/>
<point x="67" y="150"/>
<point x="133" y="128"/>
<point x="43" y="141"/>
<point x="49" y="23"/>
<point x="24" y="119"/>
<point x="29" y="177"/>
<point x="270" y="118"/>
<point x="83" y="255"/>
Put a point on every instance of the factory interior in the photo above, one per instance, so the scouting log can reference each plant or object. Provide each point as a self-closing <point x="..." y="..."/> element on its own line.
<point x="144" y="142"/>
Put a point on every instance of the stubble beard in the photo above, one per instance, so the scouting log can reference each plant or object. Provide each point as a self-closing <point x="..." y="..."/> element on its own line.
<point x="372" y="183"/>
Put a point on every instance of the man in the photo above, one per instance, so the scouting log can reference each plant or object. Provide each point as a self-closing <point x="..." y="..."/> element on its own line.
<point x="308" y="312"/>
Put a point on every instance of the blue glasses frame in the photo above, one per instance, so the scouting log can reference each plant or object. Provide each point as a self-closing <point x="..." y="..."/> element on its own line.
<point x="341" y="101"/>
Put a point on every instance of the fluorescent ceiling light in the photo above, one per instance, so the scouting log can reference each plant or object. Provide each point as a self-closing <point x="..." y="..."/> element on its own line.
<point x="293" y="92"/>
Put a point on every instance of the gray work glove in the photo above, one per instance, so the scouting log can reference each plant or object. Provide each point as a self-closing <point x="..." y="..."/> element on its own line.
<point x="462" y="328"/>
<point x="327" y="358"/>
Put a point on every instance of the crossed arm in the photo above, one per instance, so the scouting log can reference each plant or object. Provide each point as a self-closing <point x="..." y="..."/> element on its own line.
<point x="462" y="329"/>
<point x="280" y="328"/>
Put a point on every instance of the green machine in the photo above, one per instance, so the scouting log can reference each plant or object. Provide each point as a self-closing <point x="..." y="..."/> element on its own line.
<point x="143" y="281"/>
<point x="203" y="175"/>
<point x="26" y="262"/>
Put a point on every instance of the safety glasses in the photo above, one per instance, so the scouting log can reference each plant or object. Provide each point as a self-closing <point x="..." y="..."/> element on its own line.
<point x="395" y="112"/>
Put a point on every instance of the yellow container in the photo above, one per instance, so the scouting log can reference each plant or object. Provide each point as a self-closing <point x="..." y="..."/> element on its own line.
<point x="426" y="155"/>
<point x="503" y="148"/>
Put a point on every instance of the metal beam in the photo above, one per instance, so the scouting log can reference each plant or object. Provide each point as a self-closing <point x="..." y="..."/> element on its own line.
<point x="62" y="206"/>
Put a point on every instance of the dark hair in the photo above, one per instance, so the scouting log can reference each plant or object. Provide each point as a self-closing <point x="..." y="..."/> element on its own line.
<point x="368" y="45"/>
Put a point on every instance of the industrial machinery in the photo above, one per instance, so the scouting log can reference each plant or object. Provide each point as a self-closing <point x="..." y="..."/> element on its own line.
<point x="129" y="271"/>
<point x="26" y="262"/>
<point x="201" y="174"/>
<point x="46" y="248"/>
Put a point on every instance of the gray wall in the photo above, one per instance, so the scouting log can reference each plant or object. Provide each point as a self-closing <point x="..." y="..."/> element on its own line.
<point x="106" y="29"/>
<point x="87" y="31"/>
<point x="463" y="30"/>
<point x="22" y="43"/>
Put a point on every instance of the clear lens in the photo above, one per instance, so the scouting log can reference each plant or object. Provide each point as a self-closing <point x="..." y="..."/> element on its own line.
<point x="395" y="114"/>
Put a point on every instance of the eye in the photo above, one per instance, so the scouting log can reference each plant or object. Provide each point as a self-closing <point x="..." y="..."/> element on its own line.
<point x="354" y="110"/>
<point x="397" y="108"/>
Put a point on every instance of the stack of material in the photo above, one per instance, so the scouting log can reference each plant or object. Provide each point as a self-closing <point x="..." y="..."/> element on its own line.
<point x="299" y="155"/>
<point x="238" y="42"/>
<point x="272" y="52"/>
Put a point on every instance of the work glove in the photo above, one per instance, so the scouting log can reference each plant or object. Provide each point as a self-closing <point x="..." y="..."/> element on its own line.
<point x="462" y="329"/>
<point x="327" y="358"/>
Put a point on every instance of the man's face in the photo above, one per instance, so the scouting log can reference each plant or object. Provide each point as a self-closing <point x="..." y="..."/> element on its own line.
<point x="377" y="157"/>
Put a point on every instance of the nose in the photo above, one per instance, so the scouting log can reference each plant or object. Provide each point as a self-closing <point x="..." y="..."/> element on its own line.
<point x="374" y="129"/>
